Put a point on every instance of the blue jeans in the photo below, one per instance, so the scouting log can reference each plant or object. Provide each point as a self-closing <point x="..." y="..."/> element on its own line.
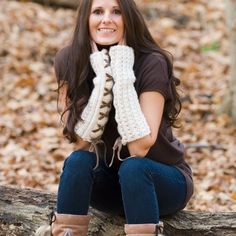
<point x="141" y="189"/>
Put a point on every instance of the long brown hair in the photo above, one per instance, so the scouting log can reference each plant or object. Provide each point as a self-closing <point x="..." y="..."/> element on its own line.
<point x="78" y="66"/>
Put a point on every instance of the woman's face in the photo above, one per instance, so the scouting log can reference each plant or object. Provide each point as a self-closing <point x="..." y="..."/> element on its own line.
<point x="106" y="24"/>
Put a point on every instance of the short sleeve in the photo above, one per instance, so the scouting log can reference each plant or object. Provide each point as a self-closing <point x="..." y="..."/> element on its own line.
<point x="60" y="63"/>
<point x="153" y="76"/>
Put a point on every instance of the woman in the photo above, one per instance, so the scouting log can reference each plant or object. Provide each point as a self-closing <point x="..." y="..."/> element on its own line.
<point x="118" y="99"/>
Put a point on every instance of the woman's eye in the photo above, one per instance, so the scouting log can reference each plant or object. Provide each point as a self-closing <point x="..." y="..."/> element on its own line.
<point x="97" y="12"/>
<point x="117" y="12"/>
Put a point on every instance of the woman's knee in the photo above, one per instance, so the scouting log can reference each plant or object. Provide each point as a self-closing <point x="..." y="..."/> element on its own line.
<point x="80" y="160"/>
<point x="132" y="169"/>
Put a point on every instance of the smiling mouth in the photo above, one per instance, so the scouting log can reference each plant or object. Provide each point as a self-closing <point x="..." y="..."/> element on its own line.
<point x="105" y="30"/>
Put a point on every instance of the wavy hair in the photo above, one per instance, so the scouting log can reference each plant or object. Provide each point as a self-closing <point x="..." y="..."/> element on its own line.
<point x="77" y="72"/>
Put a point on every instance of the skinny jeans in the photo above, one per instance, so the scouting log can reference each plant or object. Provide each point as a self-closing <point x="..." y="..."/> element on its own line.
<point x="142" y="190"/>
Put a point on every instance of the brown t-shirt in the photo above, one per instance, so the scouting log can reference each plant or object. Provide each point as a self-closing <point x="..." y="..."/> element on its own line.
<point x="151" y="75"/>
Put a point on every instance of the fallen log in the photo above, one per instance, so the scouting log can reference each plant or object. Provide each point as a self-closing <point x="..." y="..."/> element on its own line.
<point x="23" y="210"/>
<point x="73" y="4"/>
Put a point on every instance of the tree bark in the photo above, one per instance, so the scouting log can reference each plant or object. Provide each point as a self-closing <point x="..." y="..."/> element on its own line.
<point x="23" y="210"/>
<point x="73" y="4"/>
<point x="229" y="104"/>
<point x="66" y="3"/>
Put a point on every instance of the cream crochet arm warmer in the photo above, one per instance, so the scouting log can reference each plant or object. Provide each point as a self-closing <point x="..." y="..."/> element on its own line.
<point x="95" y="114"/>
<point x="131" y="122"/>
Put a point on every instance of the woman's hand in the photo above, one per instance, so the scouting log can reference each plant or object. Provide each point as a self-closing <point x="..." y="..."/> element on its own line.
<point x="95" y="114"/>
<point x="132" y="124"/>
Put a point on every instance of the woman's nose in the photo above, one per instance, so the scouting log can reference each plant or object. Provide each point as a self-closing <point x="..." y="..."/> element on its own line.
<point x="107" y="18"/>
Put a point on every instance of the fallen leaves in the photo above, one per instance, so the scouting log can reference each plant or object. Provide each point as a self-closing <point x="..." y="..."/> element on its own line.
<point x="32" y="149"/>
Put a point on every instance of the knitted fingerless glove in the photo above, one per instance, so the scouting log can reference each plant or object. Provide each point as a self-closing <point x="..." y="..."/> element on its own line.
<point x="131" y="122"/>
<point x="95" y="115"/>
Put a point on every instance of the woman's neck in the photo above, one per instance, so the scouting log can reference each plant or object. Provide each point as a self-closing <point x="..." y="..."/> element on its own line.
<point x="100" y="47"/>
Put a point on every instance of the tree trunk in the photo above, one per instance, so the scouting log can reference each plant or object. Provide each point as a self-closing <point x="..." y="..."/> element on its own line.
<point x="73" y="4"/>
<point x="67" y="3"/>
<point x="229" y="105"/>
<point x="23" y="210"/>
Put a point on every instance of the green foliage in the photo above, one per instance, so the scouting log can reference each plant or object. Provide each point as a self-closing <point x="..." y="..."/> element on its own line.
<point x="214" y="46"/>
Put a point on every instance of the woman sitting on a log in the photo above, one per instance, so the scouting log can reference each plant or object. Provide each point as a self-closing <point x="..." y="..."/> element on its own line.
<point x="119" y="101"/>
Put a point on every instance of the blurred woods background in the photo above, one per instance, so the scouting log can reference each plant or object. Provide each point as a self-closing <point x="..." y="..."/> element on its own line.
<point x="32" y="148"/>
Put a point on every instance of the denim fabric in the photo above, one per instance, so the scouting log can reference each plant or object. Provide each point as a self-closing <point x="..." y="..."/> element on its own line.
<point x="142" y="189"/>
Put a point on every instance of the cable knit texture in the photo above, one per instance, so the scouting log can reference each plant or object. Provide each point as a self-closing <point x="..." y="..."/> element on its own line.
<point x="131" y="122"/>
<point x="95" y="115"/>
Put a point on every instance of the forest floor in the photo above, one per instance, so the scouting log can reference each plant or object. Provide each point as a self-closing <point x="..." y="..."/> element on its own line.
<point x="32" y="149"/>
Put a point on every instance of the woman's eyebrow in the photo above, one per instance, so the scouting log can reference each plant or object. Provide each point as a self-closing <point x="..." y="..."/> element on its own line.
<point x="96" y="7"/>
<point x="100" y="7"/>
